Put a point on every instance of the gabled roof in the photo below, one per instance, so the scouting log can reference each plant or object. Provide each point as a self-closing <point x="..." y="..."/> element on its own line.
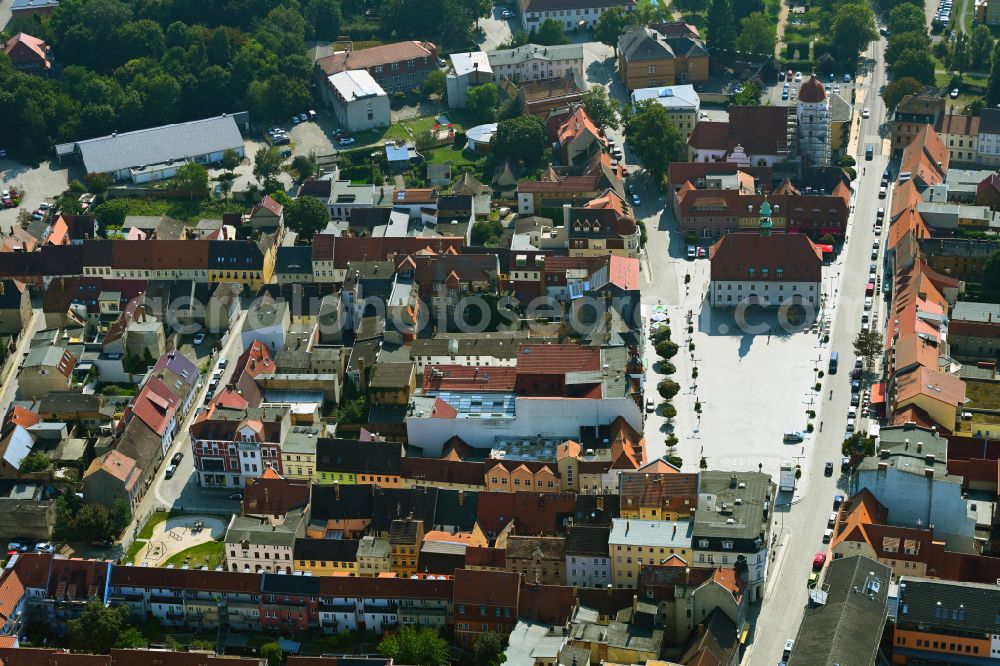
<point x="932" y="383"/>
<point x="377" y="55"/>
<point x="118" y="466"/>
<point x="578" y="124"/>
<point x="155" y="405"/>
<point x="796" y="255"/>
<point x="354" y="456"/>
<point x="926" y="158"/>
<point x="22" y="47"/>
<point x="271" y="495"/>
<point x="488" y="588"/>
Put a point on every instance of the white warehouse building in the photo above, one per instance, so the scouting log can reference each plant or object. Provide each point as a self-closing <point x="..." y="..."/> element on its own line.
<point x="358" y="100"/>
<point x="155" y="153"/>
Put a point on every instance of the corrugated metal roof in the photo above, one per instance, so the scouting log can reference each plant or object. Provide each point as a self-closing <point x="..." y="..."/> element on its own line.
<point x="156" y="145"/>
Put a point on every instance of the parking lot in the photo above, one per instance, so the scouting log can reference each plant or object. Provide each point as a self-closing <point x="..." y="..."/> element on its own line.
<point x="837" y="86"/>
<point x="45" y="181"/>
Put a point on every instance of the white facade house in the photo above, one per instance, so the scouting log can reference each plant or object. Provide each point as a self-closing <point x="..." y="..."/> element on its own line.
<point x="357" y="100"/>
<point x="251" y="546"/>
<point x="467" y="70"/>
<point x="764" y="269"/>
<point x="988" y="143"/>
<point x="577" y="15"/>
<point x="532" y="62"/>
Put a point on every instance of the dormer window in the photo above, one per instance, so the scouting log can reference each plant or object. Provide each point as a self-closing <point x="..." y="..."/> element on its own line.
<point x="752" y="272"/>
<point x="779" y="273"/>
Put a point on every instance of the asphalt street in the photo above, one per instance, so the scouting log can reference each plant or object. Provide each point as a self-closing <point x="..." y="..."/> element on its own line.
<point x="801" y="526"/>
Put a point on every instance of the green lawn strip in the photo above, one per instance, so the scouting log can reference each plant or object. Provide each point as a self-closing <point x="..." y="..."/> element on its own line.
<point x="133" y="550"/>
<point x="155" y="519"/>
<point x="195" y="555"/>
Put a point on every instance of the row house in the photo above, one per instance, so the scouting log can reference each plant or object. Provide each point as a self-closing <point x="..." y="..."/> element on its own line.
<point x="325" y="557"/>
<point x="332" y="255"/>
<point x="289" y="603"/>
<point x="516" y="475"/>
<point x="483" y="602"/>
<point x="588" y="562"/>
<point x="381" y="604"/>
<point x="262" y="545"/>
<point x="911" y="114"/>
<point x="753" y="135"/>
<point x="350" y="461"/>
<point x="199" y="599"/>
<point x="396" y="67"/>
<point x="445" y="280"/>
<point x="233" y="445"/>
<point x="635" y="543"/>
<point x="658" y="496"/>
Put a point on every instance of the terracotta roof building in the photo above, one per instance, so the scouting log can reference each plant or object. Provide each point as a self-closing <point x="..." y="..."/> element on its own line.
<point x="764" y="268"/>
<point x="28" y="54"/>
<point x="397" y="66"/>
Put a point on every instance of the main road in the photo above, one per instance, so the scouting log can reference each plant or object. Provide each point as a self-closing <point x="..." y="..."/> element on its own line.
<point x="802" y="524"/>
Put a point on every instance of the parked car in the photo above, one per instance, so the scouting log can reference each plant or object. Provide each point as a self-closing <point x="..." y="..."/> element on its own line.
<point x="223" y="363"/>
<point x="282" y="140"/>
<point x="345" y="140"/>
<point x="865" y="113"/>
<point x="650" y="406"/>
<point x="798" y="77"/>
<point x="507" y="14"/>
<point x="45" y="205"/>
<point x="818" y="561"/>
<point x="813" y="579"/>
<point x="635" y="200"/>
<point x="855" y="399"/>
<point x="702" y="253"/>
<point x="954" y="93"/>
<point x="828" y="469"/>
<point x="18" y="546"/>
<point x="44" y="547"/>
<point x="3" y="153"/>
<point x="198" y="339"/>
<point x="789" y="644"/>
<point x="881" y="192"/>
<point x="827" y="535"/>
<point x="832" y="519"/>
<point x="177" y="458"/>
<point x="236" y="496"/>
<point x="784" y="94"/>
<point x="847" y="77"/>
<point x="839" y="499"/>
<point x="170" y="471"/>
<point x="794" y="436"/>
<point x="37" y="214"/>
<point x="302" y="117"/>
<point x="856" y="386"/>
<point x="285" y="152"/>
<point x="692" y="252"/>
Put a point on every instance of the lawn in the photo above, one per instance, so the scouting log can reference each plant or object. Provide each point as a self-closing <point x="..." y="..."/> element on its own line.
<point x="984" y="395"/>
<point x="449" y="154"/>
<point x="408" y="130"/>
<point x="210" y="554"/>
<point x="184" y="210"/>
<point x="133" y="550"/>
<point x="155" y="519"/>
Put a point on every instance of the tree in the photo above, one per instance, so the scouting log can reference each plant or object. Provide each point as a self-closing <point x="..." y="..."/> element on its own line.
<point x="93" y="523"/>
<point x="703" y="464"/>
<point x="894" y="92"/>
<point x="991" y="273"/>
<point x="272" y="652"/>
<point x="98" y="628"/>
<point x="721" y="28"/>
<point x="306" y="216"/>
<point x="868" y="346"/>
<point x="483" y="102"/>
<point x="666" y="349"/>
<point x="423" y="648"/>
<point x="435" y="84"/>
<point x="858" y="444"/>
<point x="522" y="139"/>
<point x="980" y="45"/>
<point x="323" y="16"/>
<point x="905" y="41"/>
<point x="959" y="59"/>
<point x="486" y="233"/>
<point x="266" y="166"/>
<point x="667" y="388"/>
<point x="917" y="64"/>
<point x="98" y="183"/>
<point x="669" y="412"/>
<point x="193" y="178"/>
<point x="488" y="649"/>
<point x="993" y="89"/>
<point x="610" y="26"/>
<point x="852" y="29"/>
<point x="907" y="18"/>
<point x="757" y="35"/>
<point x="230" y="160"/>
<point x="35" y="462"/>
<point x="305" y="165"/>
<point x="111" y="213"/>
<point x="551" y="33"/>
<point x="602" y="109"/>
<point x="749" y="96"/>
<point x="225" y="187"/>
<point x="132" y="638"/>
<point x="654" y="138"/>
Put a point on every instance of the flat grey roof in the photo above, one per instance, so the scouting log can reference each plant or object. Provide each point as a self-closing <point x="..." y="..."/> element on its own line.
<point x="157" y="145"/>
<point x="969" y="311"/>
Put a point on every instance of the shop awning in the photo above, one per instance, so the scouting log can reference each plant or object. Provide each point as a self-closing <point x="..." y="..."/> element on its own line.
<point x="825" y="248"/>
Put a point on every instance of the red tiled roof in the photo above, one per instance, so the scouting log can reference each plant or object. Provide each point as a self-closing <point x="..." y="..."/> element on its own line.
<point x="155" y="405"/>
<point x="268" y="204"/>
<point x="547" y="604"/>
<point x="926" y="157"/>
<point x="377" y="55"/>
<point x="541" y="513"/>
<point x="760" y="130"/>
<point x="20" y="416"/>
<point x="435" y="470"/>
<point x="624" y="272"/>
<point x="352" y="248"/>
<point x="11" y="593"/>
<point x="557" y="359"/>
<point x="468" y="378"/>
<point x="494" y="511"/>
<point x="955" y="124"/>
<point x="273" y="495"/>
<point x="117" y="465"/>
<point x="481" y="556"/>
<point x="812" y="91"/>
<point x="479" y="587"/>
<point x="185" y="579"/>
<point x="734" y="254"/>
<point x="23" y="48"/>
<point x="577" y="124"/>
<point x="33" y="570"/>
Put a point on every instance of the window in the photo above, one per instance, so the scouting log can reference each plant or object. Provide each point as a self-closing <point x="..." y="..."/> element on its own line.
<point x="727" y="545"/>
